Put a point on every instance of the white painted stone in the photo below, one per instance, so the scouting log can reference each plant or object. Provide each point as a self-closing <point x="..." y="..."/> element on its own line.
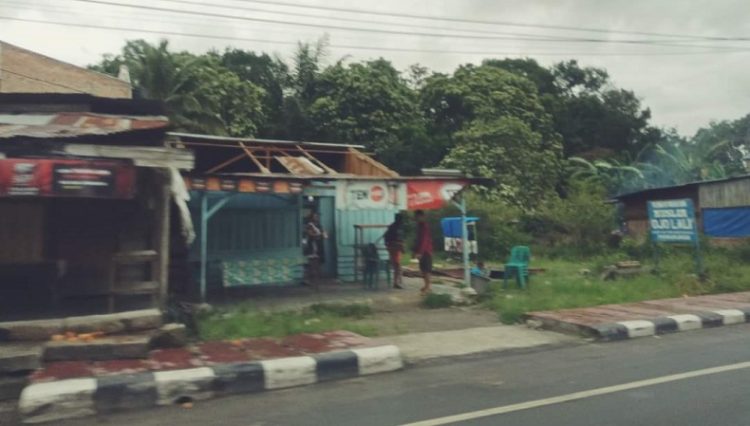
<point x="687" y="322"/>
<point x="731" y="316"/>
<point x="63" y="399"/>
<point x="639" y="328"/>
<point x="288" y="372"/>
<point x="194" y="383"/>
<point x="379" y="359"/>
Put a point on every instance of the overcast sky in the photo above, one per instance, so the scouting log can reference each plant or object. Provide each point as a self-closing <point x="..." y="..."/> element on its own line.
<point x="686" y="83"/>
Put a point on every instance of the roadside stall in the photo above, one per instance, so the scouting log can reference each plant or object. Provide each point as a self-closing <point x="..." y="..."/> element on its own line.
<point x="84" y="212"/>
<point x="253" y="198"/>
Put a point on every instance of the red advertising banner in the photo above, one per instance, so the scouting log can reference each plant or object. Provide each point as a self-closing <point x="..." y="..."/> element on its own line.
<point x="66" y="178"/>
<point x="431" y="194"/>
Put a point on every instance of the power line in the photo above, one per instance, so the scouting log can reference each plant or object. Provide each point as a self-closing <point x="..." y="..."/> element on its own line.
<point x="483" y="22"/>
<point x="42" y="81"/>
<point x="356" y="47"/>
<point x="363" y="21"/>
<point x="368" y="30"/>
<point x="187" y="19"/>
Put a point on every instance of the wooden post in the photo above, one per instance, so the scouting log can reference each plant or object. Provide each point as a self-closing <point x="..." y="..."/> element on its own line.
<point x="161" y="236"/>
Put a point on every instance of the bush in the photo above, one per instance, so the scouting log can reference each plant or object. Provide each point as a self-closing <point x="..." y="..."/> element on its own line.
<point x="437" y="301"/>
<point x="580" y="224"/>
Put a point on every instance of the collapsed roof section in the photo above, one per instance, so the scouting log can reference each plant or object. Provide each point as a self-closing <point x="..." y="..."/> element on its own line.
<point x="220" y="155"/>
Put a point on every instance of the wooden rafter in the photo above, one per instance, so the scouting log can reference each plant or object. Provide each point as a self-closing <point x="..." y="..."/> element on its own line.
<point x="316" y="161"/>
<point x="220" y="166"/>
<point x="250" y="154"/>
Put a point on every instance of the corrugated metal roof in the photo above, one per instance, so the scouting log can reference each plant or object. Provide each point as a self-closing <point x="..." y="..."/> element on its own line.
<point x="682" y="185"/>
<point x="74" y="124"/>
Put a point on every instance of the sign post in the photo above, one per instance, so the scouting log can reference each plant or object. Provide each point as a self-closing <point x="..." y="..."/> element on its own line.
<point x="673" y="221"/>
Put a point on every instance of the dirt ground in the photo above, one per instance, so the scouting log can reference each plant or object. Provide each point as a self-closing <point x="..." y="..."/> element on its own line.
<point x="395" y="311"/>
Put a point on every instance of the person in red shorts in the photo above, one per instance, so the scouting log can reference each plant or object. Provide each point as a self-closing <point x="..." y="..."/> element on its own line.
<point x="394" y="243"/>
<point x="423" y="250"/>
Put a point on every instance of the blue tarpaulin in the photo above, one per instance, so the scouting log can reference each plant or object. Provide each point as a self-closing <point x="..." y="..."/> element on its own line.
<point x="727" y="222"/>
<point x="452" y="226"/>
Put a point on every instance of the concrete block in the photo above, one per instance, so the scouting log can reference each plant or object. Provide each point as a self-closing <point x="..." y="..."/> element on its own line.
<point x="687" y="322"/>
<point x="731" y="316"/>
<point x="170" y="336"/>
<point x="336" y="365"/>
<point x="639" y="328"/>
<point x="120" y="347"/>
<point x="46" y="402"/>
<point x="146" y="319"/>
<point x="379" y="359"/>
<point x="87" y="324"/>
<point x="30" y="330"/>
<point x="189" y="385"/>
<point x="11" y="386"/>
<point x="288" y="372"/>
<point x="124" y="392"/>
<point x="239" y="378"/>
<point x="18" y="357"/>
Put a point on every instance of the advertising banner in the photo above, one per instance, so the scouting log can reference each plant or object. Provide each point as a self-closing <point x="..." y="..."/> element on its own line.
<point x="431" y="194"/>
<point x="370" y="195"/>
<point x="67" y="178"/>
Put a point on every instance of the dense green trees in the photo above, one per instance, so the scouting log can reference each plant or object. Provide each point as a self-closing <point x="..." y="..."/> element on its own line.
<point x="538" y="131"/>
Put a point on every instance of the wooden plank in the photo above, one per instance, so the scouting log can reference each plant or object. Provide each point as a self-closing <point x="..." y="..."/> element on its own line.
<point x="142" y="156"/>
<point x="361" y="164"/>
<point x="316" y="161"/>
<point x="135" y="256"/>
<point x="139" y="287"/>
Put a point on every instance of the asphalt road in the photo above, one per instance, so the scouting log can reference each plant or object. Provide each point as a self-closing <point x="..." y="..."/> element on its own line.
<point x="478" y="386"/>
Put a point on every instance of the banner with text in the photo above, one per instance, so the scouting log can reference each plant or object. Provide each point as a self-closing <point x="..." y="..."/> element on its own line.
<point x="432" y="194"/>
<point x="672" y="221"/>
<point x="370" y="195"/>
<point x="67" y="178"/>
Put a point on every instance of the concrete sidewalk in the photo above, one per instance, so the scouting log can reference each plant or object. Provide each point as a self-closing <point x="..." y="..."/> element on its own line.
<point x="647" y="318"/>
<point x="418" y="347"/>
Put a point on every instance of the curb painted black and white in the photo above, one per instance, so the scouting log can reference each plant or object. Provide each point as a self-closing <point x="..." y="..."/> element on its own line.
<point x="671" y="324"/>
<point x="43" y="402"/>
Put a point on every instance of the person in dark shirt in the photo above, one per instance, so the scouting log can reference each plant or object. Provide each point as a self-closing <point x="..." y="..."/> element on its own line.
<point x="423" y="250"/>
<point x="394" y="243"/>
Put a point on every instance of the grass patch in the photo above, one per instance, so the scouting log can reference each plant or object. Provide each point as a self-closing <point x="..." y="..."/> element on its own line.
<point x="562" y="286"/>
<point x="243" y="321"/>
<point x="437" y="301"/>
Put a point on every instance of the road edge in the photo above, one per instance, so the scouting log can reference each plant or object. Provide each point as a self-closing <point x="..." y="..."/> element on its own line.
<point x="81" y="397"/>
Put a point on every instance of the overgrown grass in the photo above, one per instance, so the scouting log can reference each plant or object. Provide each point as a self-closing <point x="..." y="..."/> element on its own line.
<point x="243" y="321"/>
<point x="437" y="301"/>
<point x="564" y="286"/>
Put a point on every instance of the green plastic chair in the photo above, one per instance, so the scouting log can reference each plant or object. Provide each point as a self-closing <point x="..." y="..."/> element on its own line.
<point x="518" y="265"/>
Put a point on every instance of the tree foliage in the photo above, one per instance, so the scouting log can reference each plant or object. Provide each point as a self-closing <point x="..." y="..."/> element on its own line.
<point x="538" y="131"/>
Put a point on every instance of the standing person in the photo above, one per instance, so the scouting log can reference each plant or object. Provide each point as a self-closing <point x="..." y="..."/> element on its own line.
<point x="394" y="243"/>
<point x="314" y="247"/>
<point x="423" y="250"/>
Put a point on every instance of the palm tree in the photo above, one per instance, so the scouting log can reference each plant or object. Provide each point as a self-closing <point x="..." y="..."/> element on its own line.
<point x="177" y="80"/>
<point x="612" y="175"/>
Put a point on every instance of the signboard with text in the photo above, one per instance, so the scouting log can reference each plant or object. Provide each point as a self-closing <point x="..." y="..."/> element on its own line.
<point x="431" y="194"/>
<point x="375" y="195"/>
<point x="67" y="178"/>
<point x="672" y="221"/>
